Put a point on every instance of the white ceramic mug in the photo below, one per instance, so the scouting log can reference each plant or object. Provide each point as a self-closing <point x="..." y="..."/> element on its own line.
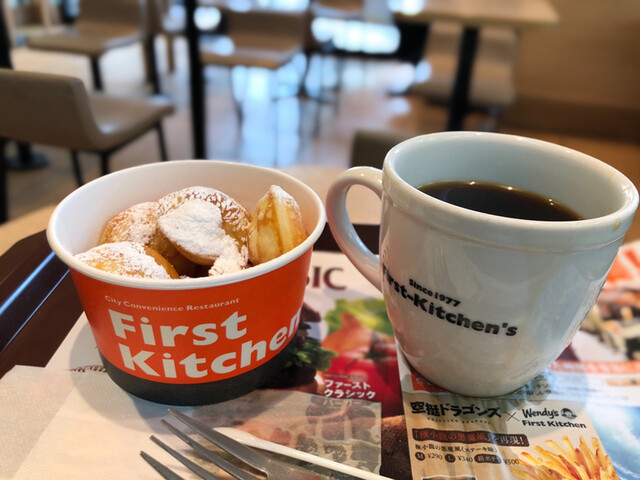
<point x="481" y="304"/>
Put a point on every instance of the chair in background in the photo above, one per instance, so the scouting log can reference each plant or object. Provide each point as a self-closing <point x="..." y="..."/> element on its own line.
<point x="168" y="21"/>
<point x="260" y="38"/>
<point x="56" y="110"/>
<point x="21" y="17"/>
<point x="101" y="25"/>
<point x="370" y="147"/>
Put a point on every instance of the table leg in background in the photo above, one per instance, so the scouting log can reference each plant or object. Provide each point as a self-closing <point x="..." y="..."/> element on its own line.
<point x="459" y="100"/>
<point x="196" y="82"/>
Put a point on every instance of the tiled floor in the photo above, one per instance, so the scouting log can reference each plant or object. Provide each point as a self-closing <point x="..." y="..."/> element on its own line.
<point x="278" y="134"/>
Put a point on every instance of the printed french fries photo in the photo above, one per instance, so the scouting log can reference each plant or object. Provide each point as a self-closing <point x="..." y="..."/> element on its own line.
<point x="566" y="462"/>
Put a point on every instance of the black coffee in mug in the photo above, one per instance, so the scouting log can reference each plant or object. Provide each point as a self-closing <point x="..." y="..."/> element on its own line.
<point x="502" y="200"/>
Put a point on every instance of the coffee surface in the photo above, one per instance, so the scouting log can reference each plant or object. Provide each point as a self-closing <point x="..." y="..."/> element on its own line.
<point x="502" y="200"/>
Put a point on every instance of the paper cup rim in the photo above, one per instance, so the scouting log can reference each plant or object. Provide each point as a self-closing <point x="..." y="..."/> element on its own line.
<point x="184" y="283"/>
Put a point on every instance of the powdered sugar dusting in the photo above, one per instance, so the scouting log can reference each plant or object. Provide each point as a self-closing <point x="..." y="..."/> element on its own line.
<point x="232" y="212"/>
<point x="234" y="261"/>
<point x="196" y="226"/>
<point x="278" y="192"/>
<point x="124" y="258"/>
<point x="135" y="224"/>
<point x="283" y="197"/>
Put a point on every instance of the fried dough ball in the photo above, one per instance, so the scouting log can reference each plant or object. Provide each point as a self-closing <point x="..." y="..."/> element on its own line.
<point x="139" y="224"/>
<point x="196" y="229"/>
<point x="276" y="226"/>
<point x="235" y="218"/>
<point x="129" y="259"/>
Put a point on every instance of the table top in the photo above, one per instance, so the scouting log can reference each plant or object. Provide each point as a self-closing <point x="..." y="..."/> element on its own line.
<point x="363" y="205"/>
<point x="478" y="13"/>
<point x="36" y="288"/>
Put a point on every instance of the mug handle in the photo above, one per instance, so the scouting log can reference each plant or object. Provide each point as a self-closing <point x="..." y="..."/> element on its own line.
<point x="341" y="226"/>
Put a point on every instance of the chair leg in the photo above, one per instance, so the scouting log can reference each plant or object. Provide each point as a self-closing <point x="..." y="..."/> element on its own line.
<point x="161" y="142"/>
<point x="171" y="57"/>
<point x="149" y="53"/>
<point x="96" y="74"/>
<point x="237" y="102"/>
<point x="104" y="162"/>
<point x="338" y="86"/>
<point x="4" y="196"/>
<point x="77" y="170"/>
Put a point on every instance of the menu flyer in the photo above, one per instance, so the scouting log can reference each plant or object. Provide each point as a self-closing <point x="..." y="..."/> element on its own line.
<point x="578" y="420"/>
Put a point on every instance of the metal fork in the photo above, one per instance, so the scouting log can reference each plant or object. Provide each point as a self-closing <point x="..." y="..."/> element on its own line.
<point x="272" y="469"/>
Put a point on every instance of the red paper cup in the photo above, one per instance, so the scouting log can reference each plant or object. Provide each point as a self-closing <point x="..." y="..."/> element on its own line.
<point x="188" y="341"/>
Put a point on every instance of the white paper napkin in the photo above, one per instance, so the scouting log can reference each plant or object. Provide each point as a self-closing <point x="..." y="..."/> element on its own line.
<point x="75" y="426"/>
<point x="29" y="399"/>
